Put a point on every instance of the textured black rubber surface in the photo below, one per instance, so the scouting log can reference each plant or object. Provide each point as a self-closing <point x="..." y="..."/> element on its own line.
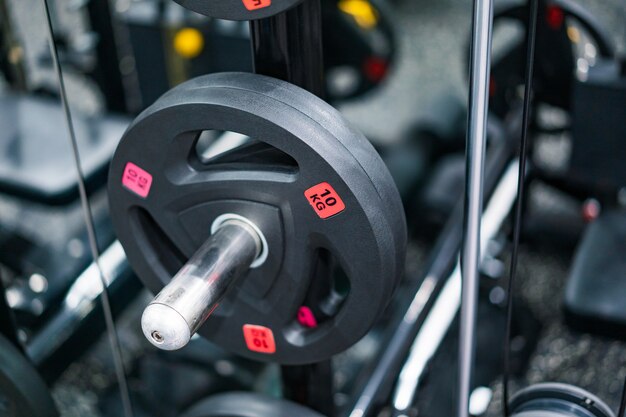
<point x="238" y="9"/>
<point x="173" y="218"/>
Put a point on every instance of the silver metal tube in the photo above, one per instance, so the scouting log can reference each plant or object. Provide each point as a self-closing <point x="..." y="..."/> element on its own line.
<point x="80" y="301"/>
<point x="447" y="303"/>
<point x="184" y="304"/>
<point x="475" y="154"/>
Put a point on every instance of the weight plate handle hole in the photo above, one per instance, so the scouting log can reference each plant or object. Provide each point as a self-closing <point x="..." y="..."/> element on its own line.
<point x="220" y="149"/>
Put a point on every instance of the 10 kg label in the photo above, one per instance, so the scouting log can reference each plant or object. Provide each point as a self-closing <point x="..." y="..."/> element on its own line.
<point x="324" y="200"/>
<point x="259" y="338"/>
<point x="137" y="180"/>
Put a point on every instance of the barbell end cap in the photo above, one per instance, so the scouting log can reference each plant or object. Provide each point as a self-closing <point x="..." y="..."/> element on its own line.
<point x="164" y="327"/>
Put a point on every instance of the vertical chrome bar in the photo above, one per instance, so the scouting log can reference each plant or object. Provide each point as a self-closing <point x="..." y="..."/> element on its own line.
<point x="480" y="63"/>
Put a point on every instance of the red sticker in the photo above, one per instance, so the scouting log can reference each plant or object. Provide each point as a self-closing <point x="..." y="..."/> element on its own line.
<point x="306" y="317"/>
<point x="259" y="339"/>
<point x="324" y="200"/>
<point x="137" y="180"/>
<point x="256" y="4"/>
<point x="555" y="17"/>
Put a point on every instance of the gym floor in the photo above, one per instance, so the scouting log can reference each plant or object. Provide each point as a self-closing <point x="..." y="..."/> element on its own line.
<point x="433" y="35"/>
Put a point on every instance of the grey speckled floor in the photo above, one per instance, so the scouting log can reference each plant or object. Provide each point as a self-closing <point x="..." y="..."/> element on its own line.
<point x="594" y="363"/>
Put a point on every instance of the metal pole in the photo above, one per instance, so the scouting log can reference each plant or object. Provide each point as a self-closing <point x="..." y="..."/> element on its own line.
<point x="444" y="256"/>
<point x="475" y="154"/>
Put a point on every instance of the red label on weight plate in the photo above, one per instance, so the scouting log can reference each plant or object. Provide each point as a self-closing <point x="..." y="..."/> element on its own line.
<point x="324" y="200"/>
<point x="137" y="180"/>
<point x="256" y="4"/>
<point x="259" y="339"/>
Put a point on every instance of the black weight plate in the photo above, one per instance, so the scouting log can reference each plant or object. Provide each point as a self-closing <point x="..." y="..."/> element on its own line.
<point x="555" y="56"/>
<point x="557" y="400"/>
<point x="238" y="9"/>
<point x="22" y="391"/>
<point x="246" y="404"/>
<point x="368" y="237"/>
<point x="358" y="52"/>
